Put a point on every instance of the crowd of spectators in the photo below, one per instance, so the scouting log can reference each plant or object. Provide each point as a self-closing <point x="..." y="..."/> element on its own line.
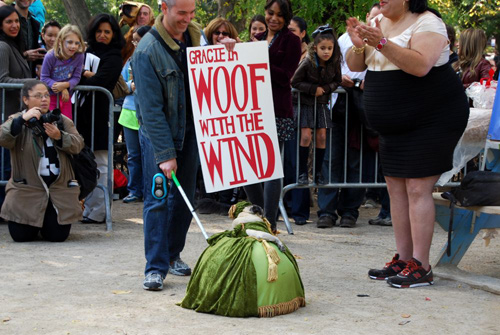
<point x="33" y="47"/>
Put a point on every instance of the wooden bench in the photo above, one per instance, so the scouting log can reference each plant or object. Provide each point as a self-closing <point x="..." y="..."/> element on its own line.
<point x="467" y="223"/>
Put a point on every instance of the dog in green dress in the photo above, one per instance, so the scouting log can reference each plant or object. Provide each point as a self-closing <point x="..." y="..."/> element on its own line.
<point x="246" y="271"/>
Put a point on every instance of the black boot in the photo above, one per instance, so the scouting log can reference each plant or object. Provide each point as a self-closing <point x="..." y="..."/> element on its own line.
<point x="320" y="155"/>
<point x="303" y="175"/>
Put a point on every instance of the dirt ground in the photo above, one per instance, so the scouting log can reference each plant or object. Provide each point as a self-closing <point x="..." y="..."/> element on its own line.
<point x="92" y="284"/>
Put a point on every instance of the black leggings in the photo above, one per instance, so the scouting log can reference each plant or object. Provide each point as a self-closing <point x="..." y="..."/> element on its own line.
<point x="51" y="230"/>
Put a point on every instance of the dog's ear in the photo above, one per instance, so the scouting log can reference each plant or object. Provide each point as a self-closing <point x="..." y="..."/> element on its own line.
<point x="257" y="210"/>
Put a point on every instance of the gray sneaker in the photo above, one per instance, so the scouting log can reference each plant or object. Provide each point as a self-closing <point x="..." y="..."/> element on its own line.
<point x="153" y="282"/>
<point x="179" y="268"/>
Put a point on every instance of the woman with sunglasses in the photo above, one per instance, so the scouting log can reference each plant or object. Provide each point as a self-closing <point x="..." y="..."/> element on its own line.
<point x="219" y="29"/>
<point x="42" y="193"/>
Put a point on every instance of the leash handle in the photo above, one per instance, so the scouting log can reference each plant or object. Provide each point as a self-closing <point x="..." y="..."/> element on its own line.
<point x="188" y="203"/>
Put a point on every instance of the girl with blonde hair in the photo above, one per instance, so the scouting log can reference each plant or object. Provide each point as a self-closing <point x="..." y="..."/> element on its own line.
<point x="62" y="67"/>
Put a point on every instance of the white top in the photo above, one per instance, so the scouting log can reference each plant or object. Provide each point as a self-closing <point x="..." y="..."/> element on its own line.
<point x="426" y="22"/>
<point x="345" y="44"/>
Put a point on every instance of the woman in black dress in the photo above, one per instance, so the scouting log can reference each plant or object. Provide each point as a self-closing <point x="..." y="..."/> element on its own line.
<point x="415" y="101"/>
<point x="105" y="41"/>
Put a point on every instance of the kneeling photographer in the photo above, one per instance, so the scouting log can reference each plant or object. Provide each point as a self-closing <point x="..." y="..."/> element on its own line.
<point x="42" y="193"/>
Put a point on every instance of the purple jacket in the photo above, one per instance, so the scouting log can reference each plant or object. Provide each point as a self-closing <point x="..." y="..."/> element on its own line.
<point x="56" y="70"/>
<point x="284" y="57"/>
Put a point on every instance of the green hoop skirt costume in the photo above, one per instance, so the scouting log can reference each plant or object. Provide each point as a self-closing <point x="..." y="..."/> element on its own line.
<point x="240" y="276"/>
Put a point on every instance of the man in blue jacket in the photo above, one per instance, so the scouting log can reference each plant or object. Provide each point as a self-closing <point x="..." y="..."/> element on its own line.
<point x="167" y="135"/>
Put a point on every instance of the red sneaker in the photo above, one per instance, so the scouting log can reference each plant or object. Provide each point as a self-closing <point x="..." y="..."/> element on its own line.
<point x="414" y="275"/>
<point x="390" y="269"/>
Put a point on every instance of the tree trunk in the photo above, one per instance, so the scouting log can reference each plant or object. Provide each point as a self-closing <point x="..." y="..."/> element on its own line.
<point x="226" y="9"/>
<point x="78" y="14"/>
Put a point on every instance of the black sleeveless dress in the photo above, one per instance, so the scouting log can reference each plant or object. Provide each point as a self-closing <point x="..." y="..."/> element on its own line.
<point x="419" y="119"/>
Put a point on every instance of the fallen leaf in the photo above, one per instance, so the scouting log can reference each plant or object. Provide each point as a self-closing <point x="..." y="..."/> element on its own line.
<point x="5" y="320"/>
<point x="297" y="257"/>
<point x="120" y="292"/>
<point x="406" y="316"/>
<point x="427" y="299"/>
<point x="402" y="323"/>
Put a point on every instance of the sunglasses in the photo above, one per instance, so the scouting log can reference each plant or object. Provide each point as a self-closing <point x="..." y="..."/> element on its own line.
<point x="224" y="33"/>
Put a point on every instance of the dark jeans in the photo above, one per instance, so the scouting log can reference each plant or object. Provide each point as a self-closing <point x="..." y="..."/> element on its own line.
<point x="298" y="199"/>
<point x="335" y="202"/>
<point x="267" y="196"/>
<point x="51" y="230"/>
<point x="385" y="210"/>
<point x="369" y="176"/>
<point x="166" y="221"/>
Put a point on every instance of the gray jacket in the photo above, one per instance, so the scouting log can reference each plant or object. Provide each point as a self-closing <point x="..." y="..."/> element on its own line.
<point x="13" y="70"/>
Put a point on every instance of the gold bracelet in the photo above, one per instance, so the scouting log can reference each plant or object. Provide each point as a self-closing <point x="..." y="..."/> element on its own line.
<point x="358" y="51"/>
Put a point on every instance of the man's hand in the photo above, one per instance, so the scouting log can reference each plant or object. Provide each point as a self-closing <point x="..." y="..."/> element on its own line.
<point x="346" y="81"/>
<point x="168" y="166"/>
<point x="34" y="54"/>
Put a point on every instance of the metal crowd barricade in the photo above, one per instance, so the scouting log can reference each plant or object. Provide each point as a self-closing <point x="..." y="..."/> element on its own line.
<point x="108" y="188"/>
<point x="344" y="183"/>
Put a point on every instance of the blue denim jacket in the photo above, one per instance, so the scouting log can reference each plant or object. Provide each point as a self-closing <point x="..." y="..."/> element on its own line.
<point x="160" y="95"/>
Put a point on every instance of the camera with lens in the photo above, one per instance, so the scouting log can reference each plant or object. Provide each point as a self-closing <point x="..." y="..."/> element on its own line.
<point x="36" y="125"/>
<point x="357" y="82"/>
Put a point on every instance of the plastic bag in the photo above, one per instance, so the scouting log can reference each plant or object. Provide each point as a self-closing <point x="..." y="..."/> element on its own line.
<point x="471" y="143"/>
<point x="482" y="93"/>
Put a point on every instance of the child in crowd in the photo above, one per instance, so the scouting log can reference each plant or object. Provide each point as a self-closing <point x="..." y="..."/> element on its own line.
<point x="49" y="34"/>
<point x="316" y="78"/>
<point x="62" y="67"/>
<point x="128" y="120"/>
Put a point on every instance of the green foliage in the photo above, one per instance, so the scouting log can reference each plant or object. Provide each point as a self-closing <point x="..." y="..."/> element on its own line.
<point x="483" y="14"/>
<point x="56" y="11"/>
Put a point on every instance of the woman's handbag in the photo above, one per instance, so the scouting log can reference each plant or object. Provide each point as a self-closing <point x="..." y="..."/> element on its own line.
<point x="121" y="88"/>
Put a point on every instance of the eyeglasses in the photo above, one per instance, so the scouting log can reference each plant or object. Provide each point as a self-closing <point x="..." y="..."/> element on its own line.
<point x="40" y="96"/>
<point x="224" y="33"/>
